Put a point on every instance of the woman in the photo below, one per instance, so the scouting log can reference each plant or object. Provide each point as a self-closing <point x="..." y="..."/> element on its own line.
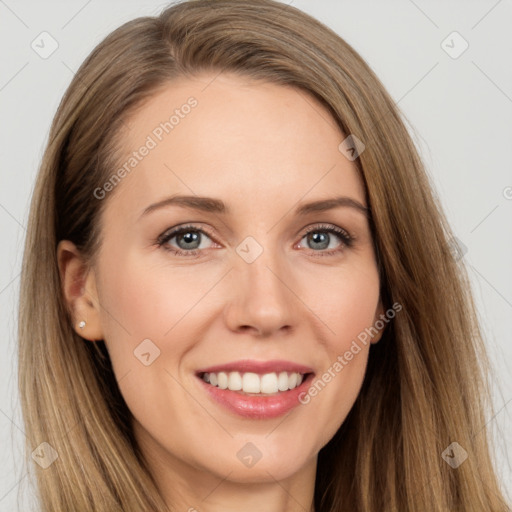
<point x="256" y="369"/>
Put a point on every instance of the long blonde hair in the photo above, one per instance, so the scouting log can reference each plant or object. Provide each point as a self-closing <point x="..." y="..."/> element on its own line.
<point x="426" y="384"/>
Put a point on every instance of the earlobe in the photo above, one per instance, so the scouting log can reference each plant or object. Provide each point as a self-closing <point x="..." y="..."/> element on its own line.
<point x="78" y="284"/>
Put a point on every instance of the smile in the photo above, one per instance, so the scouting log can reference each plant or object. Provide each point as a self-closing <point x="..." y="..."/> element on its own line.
<point x="266" y="384"/>
<point x="256" y="389"/>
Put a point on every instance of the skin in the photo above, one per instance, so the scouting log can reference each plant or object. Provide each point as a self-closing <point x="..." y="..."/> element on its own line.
<point x="263" y="149"/>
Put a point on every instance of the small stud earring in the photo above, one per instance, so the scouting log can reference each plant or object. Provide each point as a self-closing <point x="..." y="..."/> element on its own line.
<point x="81" y="324"/>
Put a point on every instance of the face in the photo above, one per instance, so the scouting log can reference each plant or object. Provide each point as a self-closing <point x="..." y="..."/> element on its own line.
<point x="260" y="287"/>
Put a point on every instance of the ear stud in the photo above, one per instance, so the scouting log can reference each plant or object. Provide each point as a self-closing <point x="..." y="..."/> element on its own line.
<point x="81" y="324"/>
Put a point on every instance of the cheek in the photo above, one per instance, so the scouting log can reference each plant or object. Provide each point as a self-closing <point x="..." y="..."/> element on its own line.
<point x="141" y="301"/>
<point x="348" y="311"/>
<point x="344" y="300"/>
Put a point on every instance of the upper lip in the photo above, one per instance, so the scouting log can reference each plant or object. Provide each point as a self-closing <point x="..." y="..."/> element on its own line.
<point x="260" y="367"/>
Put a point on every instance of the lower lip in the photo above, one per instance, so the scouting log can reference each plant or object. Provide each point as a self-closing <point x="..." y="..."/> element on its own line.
<point x="258" y="407"/>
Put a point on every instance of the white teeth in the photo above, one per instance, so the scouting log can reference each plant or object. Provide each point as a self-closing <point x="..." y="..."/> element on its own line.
<point x="249" y="382"/>
<point x="222" y="380"/>
<point x="282" y="383"/>
<point x="234" y="381"/>
<point x="269" y="383"/>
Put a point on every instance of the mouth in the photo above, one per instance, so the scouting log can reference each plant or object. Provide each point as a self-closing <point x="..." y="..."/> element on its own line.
<point x="254" y="384"/>
<point x="256" y="390"/>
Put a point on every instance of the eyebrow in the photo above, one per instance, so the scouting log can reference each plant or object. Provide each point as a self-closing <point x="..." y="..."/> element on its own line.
<point x="212" y="205"/>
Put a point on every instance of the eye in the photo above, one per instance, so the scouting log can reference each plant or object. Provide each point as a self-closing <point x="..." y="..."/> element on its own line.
<point x="320" y="238"/>
<point x="188" y="239"/>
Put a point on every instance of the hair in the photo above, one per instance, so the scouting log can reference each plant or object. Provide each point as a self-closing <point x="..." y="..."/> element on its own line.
<point x="427" y="380"/>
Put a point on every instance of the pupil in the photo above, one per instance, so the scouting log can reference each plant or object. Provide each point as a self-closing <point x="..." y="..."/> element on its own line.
<point x="190" y="237"/>
<point x="316" y="238"/>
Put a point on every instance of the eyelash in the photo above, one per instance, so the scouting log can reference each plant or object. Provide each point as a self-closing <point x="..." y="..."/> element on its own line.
<point x="346" y="239"/>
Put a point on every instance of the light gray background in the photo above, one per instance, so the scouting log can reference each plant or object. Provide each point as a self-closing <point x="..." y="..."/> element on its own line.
<point x="458" y="110"/>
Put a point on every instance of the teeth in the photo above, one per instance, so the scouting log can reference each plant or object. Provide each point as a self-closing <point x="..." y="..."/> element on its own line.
<point x="282" y="381"/>
<point x="222" y="380"/>
<point x="268" y="383"/>
<point x="234" y="381"/>
<point x="249" y="382"/>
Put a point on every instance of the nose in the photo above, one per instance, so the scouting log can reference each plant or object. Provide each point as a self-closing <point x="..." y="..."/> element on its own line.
<point x="262" y="300"/>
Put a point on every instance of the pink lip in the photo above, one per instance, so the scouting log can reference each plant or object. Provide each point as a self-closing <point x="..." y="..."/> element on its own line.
<point x="257" y="406"/>
<point x="259" y="367"/>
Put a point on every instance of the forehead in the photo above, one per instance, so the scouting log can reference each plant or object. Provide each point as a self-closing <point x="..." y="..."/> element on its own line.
<point x="253" y="144"/>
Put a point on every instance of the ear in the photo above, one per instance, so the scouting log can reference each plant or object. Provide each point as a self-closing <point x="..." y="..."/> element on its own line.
<point x="378" y="318"/>
<point x="79" y="288"/>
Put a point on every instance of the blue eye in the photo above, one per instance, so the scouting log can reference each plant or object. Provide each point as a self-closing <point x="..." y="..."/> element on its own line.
<point x="189" y="238"/>
<point x="320" y="236"/>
